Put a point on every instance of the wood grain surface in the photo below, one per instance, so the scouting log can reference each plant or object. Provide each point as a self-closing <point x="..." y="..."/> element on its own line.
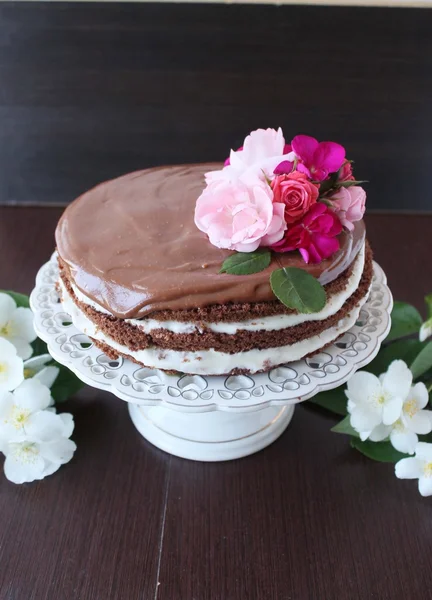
<point x="89" y="91"/>
<point x="305" y="519"/>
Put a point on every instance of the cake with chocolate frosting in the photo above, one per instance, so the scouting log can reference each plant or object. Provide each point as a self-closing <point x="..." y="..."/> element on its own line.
<point x="212" y="269"/>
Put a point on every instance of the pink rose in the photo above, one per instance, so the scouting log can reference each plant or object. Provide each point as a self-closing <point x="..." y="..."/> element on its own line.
<point x="349" y="205"/>
<point x="261" y="152"/>
<point x="296" y="192"/>
<point x="240" y="216"/>
<point x="314" y="236"/>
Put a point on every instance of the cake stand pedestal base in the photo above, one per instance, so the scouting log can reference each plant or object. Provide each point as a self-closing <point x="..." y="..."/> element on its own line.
<point x="210" y="436"/>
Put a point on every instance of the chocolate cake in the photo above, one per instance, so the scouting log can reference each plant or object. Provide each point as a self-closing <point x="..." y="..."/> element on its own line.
<point x="140" y="278"/>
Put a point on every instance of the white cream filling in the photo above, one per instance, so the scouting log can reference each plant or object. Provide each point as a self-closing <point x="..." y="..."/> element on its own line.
<point x="204" y="362"/>
<point x="272" y="323"/>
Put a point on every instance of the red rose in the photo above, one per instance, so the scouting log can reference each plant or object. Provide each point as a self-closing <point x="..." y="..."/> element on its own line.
<point x="296" y="192"/>
<point x="346" y="173"/>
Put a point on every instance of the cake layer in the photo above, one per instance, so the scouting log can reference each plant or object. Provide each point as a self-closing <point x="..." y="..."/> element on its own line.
<point x="215" y="353"/>
<point x="131" y="246"/>
<point x="348" y="283"/>
<point x="212" y="362"/>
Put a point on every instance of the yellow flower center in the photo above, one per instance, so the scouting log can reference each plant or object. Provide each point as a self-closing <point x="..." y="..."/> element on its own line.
<point x="4" y="331"/>
<point x="18" y="416"/>
<point x="427" y="469"/>
<point x="28" y="373"/>
<point x="27" y="453"/>
<point x="399" y="426"/>
<point x="379" y="399"/>
<point x="410" y="407"/>
<point x="3" y="371"/>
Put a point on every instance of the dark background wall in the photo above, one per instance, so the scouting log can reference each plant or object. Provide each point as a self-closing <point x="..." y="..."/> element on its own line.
<point x="90" y="91"/>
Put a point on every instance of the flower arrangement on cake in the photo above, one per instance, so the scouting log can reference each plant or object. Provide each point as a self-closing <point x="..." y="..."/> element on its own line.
<point x="273" y="196"/>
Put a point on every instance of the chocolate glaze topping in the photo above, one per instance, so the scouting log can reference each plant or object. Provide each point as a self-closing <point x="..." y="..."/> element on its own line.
<point x="132" y="246"/>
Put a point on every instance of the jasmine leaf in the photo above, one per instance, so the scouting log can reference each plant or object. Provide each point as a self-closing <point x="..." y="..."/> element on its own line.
<point x="344" y="427"/>
<point x="406" y="350"/>
<point x="298" y="289"/>
<point x="246" y="263"/>
<point x="333" y="400"/>
<point x="66" y="384"/>
<point x="406" y="320"/>
<point x="39" y="347"/>
<point x="380" y="451"/>
<point x="20" y="299"/>
<point x="428" y="300"/>
<point x="423" y="361"/>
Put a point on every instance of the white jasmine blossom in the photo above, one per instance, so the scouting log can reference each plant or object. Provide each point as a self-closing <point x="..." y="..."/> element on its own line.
<point x="418" y="467"/>
<point x="425" y="330"/>
<point x="22" y="413"/>
<point x="29" y="460"/>
<point x="33" y="438"/>
<point x="413" y="420"/>
<point x="375" y="402"/>
<point x="37" y="367"/>
<point x="16" y="325"/>
<point x="11" y="367"/>
<point x="389" y="407"/>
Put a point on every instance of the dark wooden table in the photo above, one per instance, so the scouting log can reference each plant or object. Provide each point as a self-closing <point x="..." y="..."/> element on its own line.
<point x="306" y="518"/>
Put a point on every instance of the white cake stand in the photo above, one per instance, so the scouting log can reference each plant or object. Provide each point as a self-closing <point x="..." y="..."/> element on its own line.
<point x="210" y="418"/>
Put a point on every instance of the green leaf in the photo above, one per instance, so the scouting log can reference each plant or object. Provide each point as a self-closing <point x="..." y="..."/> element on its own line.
<point x="39" y="347"/>
<point x="350" y="183"/>
<point x="66" y="384"/>
<point x="405" y="350"/>
<point x="423" y="362"/>
<point x="298" y="289"/>
<point x="428" y="300"/>
<point x="406" y="320"/>
<point x="380" y="451"/>
<point x="328" y="184"/>
<point x="246" y="263"/>
<point x="20" y="299"/>
<point x="333" y="400"/>
<point x="344" y="427"/>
